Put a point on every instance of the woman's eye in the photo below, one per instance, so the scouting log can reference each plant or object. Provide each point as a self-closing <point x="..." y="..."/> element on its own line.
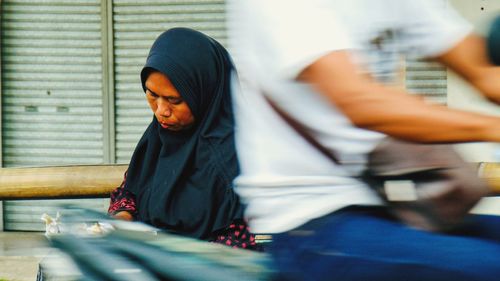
<point x="152" y="94"/>
<point x="175" y="100"/>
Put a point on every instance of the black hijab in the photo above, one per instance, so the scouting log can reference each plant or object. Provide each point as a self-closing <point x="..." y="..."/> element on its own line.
<point x="182" y="180"/>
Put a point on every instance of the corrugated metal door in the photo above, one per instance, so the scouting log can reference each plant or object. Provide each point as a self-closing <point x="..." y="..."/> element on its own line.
<point x="51" y="92"/>
<point x="136" y="25"/>
<point x="428" y="79"/>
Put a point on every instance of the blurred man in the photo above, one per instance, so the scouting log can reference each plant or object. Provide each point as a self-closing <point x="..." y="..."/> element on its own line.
<point x="328" y="65"/>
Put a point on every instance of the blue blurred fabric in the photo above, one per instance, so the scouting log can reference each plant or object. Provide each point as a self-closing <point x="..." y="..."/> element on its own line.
<point x="367" y="243"/>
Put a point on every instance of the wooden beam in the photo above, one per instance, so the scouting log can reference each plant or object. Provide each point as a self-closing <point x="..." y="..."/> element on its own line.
<point x="82" y="181"/>
<point x="490" y="172"/>
<point x="97" y="181"/>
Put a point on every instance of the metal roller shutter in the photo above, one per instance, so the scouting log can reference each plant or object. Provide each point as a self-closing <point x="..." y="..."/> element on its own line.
<point x="136" y="25"/>
<point x="51" y="92"/>
<point x="428" y="79"/>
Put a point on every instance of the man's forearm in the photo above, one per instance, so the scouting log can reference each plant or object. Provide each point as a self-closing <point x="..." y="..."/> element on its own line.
<point x="412" y="119"/>
<point x="394" y="112"/>
<point x="469" y="58"/>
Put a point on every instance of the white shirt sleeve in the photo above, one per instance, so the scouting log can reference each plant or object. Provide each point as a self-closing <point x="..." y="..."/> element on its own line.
<point x="433" y="28"/>
<point x="295" y="34"/>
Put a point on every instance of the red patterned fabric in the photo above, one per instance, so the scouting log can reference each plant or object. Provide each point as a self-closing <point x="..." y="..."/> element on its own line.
<point x="122" y="200"/>
<point x="237" y="235"/>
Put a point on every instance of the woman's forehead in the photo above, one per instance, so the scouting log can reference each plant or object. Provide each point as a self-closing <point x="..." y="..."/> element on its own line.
<point x="160" y="84"/>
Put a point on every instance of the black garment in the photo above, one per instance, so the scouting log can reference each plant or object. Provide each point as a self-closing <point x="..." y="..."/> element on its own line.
<point x="493" y="41"/>
<point x="182" y="180"/>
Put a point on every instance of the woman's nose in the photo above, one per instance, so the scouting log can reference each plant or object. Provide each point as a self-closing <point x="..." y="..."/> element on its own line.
<point x="163" y="108"/>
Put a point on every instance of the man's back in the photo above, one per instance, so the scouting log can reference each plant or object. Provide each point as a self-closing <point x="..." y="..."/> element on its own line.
<point x="271" y="47"/>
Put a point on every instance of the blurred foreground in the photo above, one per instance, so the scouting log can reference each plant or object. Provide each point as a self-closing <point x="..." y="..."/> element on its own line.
<point x="20" y="254"/>
<point x="132" y="251"/>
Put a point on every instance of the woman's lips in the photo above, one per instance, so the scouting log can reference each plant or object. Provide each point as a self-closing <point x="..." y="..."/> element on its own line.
<point x="167" y="125"/>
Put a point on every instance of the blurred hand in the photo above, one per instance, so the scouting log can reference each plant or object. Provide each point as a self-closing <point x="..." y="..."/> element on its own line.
<point x="488" y="84"/>
<point x="123" y="215"/>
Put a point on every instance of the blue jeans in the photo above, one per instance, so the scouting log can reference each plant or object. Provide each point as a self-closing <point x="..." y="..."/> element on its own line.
<point x="368" y="244"/>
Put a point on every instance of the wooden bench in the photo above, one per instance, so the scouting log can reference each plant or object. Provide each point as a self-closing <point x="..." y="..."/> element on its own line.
<point x="60" y="182"/>
<point x="490" y="172"/>
<point x="97" y="181"/>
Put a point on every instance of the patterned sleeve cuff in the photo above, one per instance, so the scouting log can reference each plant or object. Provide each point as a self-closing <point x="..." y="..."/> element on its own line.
<point x="122" y="200"/>
<point x="123" y="204"/>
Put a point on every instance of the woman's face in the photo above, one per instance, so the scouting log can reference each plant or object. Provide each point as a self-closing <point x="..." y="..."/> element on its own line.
<point x="171" y="111"/>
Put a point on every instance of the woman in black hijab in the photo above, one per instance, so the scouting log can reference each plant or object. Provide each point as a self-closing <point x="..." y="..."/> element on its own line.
<point x="181" y="172"/>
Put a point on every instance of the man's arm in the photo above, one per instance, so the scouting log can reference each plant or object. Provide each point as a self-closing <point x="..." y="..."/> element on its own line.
<point x="373" y="106"/>
<point x="469" y="58"/>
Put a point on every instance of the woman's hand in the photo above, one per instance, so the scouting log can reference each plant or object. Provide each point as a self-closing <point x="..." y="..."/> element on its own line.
<point x="123" y="215"/>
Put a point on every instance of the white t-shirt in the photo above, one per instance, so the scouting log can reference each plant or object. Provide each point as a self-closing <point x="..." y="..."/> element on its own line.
<point x="285" y="181"/>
